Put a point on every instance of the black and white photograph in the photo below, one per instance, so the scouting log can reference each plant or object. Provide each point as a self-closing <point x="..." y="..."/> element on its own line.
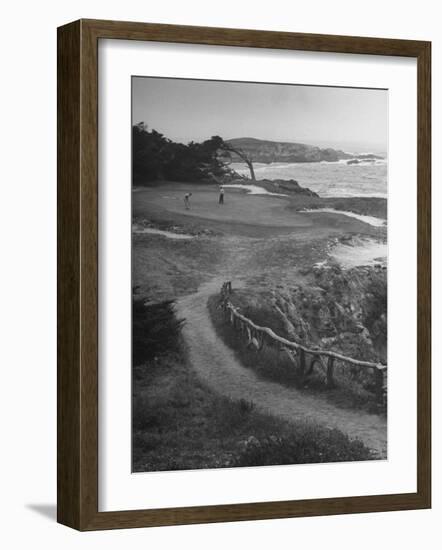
<point x="220" y="234"/>
<point x="259" y="274"/>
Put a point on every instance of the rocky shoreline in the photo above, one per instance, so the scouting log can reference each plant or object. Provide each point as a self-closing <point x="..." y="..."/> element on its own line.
<point x="308" y="199"/>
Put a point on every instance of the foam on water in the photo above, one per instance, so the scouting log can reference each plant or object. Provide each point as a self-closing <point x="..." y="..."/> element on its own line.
<point x="328" y="179"/>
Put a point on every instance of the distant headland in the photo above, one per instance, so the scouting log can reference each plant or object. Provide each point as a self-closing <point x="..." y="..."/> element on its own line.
<point x="266" y="151"/>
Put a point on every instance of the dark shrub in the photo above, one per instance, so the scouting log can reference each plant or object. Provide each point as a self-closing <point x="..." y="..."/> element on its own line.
<point x="306" y="446"/>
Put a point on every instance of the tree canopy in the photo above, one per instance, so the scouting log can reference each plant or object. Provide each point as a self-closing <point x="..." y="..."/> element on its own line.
<point x="156" y="157"/>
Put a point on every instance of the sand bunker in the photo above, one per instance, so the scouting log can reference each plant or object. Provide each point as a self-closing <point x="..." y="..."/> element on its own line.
<point x="371" y="220"/>
<point x="154" y="231"/>
<point x="254" y="189"/>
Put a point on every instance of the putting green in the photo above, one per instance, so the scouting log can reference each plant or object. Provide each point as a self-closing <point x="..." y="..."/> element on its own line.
<point x="238" y="207"/>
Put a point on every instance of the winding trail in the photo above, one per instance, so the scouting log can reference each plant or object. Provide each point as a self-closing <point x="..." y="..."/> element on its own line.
<point x="216" y="364"/>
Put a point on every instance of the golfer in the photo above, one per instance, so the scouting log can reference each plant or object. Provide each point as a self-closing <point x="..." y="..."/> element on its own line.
<point x="221" y="194"/>
<point x="187" y="200"/>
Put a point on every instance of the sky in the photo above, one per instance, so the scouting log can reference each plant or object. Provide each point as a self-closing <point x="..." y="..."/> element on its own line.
<point x="352" y="119"/>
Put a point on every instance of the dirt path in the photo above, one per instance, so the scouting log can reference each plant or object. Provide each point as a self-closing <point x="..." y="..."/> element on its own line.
<point x="217" y="365"/>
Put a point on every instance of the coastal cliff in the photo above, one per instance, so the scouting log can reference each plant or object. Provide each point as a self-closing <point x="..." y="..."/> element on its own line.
<point x="266" y="151"/>
<point x="276" y="151"/>
<point x="333" y="308"/>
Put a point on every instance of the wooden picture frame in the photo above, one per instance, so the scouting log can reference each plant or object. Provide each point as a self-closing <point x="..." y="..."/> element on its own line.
<point x="78" y="274"/>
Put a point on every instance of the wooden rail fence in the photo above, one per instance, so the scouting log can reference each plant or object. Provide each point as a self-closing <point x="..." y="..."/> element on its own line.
<point x="304" y="358"/>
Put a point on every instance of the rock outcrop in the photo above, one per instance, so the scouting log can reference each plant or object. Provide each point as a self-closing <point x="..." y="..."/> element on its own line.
<point x="259" y="150"/>
<point x="341" y="310"/>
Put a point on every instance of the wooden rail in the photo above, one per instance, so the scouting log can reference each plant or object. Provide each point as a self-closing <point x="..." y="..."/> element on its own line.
<point x="258" y="336"/>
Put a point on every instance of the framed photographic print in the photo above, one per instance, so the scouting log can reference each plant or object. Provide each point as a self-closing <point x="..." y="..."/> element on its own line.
<point x="243" y="275"/>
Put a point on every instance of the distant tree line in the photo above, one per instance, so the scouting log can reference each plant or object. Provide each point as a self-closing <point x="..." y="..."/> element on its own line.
<point x="156" y="158"/>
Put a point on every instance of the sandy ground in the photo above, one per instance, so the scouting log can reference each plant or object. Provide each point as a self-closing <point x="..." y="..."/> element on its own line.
<point x="153" y="231"/>
<point x="371" y="220"/>
<point x="253" y="189"/>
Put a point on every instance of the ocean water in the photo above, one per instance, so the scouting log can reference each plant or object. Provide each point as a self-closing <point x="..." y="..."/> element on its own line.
<point x="328" y="179"/>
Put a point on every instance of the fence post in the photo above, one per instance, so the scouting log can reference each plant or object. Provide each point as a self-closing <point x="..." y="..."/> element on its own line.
<point x="330" y="369"/>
